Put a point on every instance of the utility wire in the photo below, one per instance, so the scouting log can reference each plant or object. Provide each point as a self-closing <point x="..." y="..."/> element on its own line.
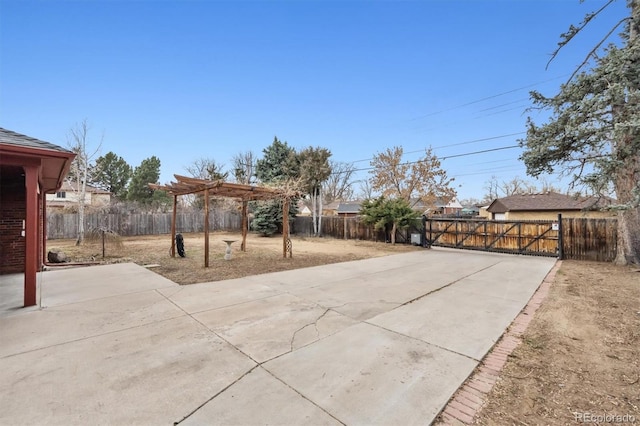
<point x="453" y="144"/>
<point x="441" y="158"/>
<point x="486" y="98"/>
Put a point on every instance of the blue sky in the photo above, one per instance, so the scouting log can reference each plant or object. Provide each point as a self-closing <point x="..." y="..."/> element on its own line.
<point x="184" y="80"/>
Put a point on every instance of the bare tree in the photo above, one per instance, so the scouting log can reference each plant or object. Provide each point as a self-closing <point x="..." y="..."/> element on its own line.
<point x="78" y="141"/>
<point x="417" y="181"/>
<point x="207" y="168"/>
<point x="244" y="164"/>
<point x="314" y="170"/>
<point x="516" y="186"/>
<point x="491" y="186"/>
<point x="339" y="185"/>
<point x="546" y="186"/>
<point x="366" y="190"/>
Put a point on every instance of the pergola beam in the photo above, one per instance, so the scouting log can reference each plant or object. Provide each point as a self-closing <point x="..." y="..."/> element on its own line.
<point x="185" y="185"/>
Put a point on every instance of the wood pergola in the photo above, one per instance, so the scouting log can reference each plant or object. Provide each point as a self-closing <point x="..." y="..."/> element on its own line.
<point x="218" y="188"/>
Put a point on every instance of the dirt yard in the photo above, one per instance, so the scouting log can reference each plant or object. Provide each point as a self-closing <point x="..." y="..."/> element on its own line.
<point x="264" y="254"/>
<point x="580" y="358"/>
<point x="580" y="355"/>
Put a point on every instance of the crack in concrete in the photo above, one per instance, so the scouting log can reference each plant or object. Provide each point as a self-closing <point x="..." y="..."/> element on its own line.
<point x="258" y="364"/>
<point x="314" y="324"/>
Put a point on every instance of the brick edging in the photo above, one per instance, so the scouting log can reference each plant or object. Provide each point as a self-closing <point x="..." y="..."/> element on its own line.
<point x="469" y="399"/>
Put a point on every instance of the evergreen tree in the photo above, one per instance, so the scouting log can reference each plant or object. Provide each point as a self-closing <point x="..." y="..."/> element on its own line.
<point x="383" y="212"/>
<point x="279" y="164"/>
<point x="112" y="173"/>
<point x="147" y="172"/>
<point x="593" y="133"/>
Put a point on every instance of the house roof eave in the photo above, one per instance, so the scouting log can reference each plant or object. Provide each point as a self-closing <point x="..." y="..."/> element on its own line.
<point x="54" y="164"/>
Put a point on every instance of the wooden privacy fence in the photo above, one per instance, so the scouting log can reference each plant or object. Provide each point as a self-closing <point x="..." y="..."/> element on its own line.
<point x="65" y="225"/>
<point x="347" y="228"/>
<point x="582" y="238"/>
<point x="590" y="239"/>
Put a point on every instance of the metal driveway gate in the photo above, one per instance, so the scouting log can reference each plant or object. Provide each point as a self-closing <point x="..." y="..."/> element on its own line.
<point x="539" y="237"/>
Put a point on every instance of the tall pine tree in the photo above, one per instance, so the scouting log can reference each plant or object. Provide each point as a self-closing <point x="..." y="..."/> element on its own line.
<point x="593" y="134"/>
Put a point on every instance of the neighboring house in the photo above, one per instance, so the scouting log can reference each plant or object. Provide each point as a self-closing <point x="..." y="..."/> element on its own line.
<point x="471" y="210"/>
<point x="449" y="207"/>
<point x="29" y="169"/>
<point x="303" y="210"/>
<point x="484" y="213"/>
<point x="330" y="209"/>
<point x="547" y="206"/>
<point x="349" y="208"/>
<point x="68" y="196"/>
<point x="440" y="207"/>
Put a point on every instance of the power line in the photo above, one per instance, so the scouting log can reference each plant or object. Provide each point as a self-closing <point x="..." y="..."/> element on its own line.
<point x="486" y="98"/>
<point x="474" y="141"/>
<point x="497" y="170"/>
<point x="505" y="104"/>
<point x="478" y="152"/>
<point x="481" y="116"/>
<point x="441" y="158"/>
<point x="454" y="144"/>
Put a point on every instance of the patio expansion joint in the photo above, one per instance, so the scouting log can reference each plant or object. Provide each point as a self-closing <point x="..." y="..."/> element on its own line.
<point x="231" y="305"/>
<point x="423" y="341"/>
<point x="415" y="299"/>
<point x="106" y="333"/>
<point x="214" y="396"/>
<point x="302" y="396"/>
<point x="53" y="307"/>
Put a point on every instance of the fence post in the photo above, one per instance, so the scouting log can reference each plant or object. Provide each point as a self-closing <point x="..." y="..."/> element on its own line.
<point x="560" y="242"/>
<point x="519" y="237"/>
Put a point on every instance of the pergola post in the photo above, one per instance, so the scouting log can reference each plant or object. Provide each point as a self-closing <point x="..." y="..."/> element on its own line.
<point x="285" y="226"/>
<point x="245" y="225"/>
<point x="218" y="188"/>
<point x="206" y="228"/>
<point x="173" y="226"/>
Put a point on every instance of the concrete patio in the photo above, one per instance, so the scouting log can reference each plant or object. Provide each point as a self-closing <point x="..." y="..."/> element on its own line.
<point x="381" y="341"/>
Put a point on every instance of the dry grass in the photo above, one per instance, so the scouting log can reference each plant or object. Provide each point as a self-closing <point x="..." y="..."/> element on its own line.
<point x="580" y="354"/>
<point x="264" y="254"/>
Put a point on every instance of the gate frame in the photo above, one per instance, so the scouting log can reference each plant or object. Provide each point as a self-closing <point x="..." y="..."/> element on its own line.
<point x="431" y="240"/>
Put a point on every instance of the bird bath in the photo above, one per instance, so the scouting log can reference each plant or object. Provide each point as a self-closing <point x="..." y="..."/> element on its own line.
<point x="227" y="255"/>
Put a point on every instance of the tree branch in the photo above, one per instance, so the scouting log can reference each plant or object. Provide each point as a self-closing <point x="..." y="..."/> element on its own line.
<point x="573" y="31"/>
<point x="595" y="49"/>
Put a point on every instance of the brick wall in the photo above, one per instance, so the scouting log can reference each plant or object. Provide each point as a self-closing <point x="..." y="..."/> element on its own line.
<point x="12" y="213"/>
